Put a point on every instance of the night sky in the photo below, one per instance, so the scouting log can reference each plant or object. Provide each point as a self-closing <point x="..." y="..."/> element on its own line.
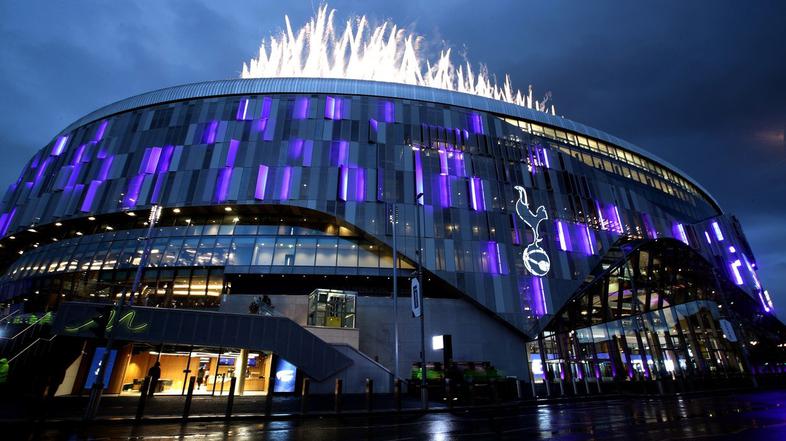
<point x="700" y="84"/>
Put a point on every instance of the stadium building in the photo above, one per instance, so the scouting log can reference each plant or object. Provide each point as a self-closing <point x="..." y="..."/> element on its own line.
<point x="251" y="223"/>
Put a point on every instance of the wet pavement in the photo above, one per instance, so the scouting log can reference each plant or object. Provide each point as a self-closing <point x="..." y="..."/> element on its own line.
<point x="748" y="416"/>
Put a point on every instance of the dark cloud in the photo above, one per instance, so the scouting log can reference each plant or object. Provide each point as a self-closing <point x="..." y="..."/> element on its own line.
<point x="700" y="84"/>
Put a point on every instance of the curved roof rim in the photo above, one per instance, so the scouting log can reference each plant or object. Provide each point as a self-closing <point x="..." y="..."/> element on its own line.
<point x="368" y="88"/>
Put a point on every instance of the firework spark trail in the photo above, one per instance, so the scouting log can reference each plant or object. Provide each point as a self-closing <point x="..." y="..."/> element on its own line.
<point x="384" y="53"/>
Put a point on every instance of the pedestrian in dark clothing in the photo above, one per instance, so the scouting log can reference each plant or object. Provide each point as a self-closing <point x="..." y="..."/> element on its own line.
<point x="154" y="373"/>
<point x="253" y="308"/>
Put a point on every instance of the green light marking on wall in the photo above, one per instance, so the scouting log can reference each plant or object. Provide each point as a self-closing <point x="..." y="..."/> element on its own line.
<point x="126" y="320"/>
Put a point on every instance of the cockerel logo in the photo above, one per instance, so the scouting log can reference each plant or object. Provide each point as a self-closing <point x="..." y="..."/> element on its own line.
<point x="535" y="258"/>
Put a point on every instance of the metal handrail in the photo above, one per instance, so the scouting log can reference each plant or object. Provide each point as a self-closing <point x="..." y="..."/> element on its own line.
<point x="23" y="330"/>
<point x="9" y="315"/>
<point x="30" y="346"/>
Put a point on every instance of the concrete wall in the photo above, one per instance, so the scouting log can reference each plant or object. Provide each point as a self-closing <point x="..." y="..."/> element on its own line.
<point x="354" y="377"/>
<point x="476" y="336"/>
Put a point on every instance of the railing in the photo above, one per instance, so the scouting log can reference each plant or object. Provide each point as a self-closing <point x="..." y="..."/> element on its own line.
<point x="36" y="341"/>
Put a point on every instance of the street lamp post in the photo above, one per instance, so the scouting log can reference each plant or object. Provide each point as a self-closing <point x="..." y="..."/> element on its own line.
<point x="423" y="388"/>
<point x="394" y="221"/>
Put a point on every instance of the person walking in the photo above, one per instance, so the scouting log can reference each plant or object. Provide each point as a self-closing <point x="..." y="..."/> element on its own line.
<point x="3" y="375"/>
<point x="154" y="373"/>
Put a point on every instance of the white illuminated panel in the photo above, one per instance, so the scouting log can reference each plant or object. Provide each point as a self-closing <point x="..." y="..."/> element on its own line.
<point x="535" y="258"/>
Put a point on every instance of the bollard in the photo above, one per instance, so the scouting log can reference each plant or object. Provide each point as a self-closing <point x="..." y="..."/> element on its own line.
<point x="397" y="394"/>
<point x="519" y="392"/>
<point x="471" y="390"/>
<point x="449" y="393"/>
<point x="369" y="394"/>
<point x="230" y="398"/>
<point x="494" y="391"/>
<point x="187" y="407"/>
<point x="140" y="407"/>
<point x="304" y="396"/>
<point x="337" y="395"/>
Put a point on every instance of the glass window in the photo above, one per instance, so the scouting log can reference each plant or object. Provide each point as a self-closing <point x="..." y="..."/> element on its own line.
<point x="306" y="251"/>
<point x="347" y="254"/>
<point x="205" y="251"/>
<point x="241" y="252"/>
<point x="326" y="252"/>
<point x="285" y="252"/>
<point x="263" y="251"/>
<point x="368" y="256"/>
<point x="221" y="251"/>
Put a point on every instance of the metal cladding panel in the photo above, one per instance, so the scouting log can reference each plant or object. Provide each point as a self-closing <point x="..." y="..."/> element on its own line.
<point x="280" y="335"/>
<point x="361" y="87"/>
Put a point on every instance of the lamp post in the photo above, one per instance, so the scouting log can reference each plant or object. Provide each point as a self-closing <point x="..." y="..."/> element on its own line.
<point x="423" y="388"/>
<point x="394" y="221"/>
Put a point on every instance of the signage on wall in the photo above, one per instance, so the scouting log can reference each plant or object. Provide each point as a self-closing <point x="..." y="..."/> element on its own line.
<point x="416" y="299"/>
<point x="535" y="258"/>
<point x="728" y="330"/>
<point x="286" y="373"/>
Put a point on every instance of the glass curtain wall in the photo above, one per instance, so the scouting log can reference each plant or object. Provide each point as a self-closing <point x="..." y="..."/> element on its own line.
<point x="653" y="314"/>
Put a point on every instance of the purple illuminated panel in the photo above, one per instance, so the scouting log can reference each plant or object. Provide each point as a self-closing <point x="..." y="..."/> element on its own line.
<point x="543" y="157"/>
<point x="493" y="258"/>
<point x="561" y="233"/>
<point x="443" y="162"/>
<point x="444" y="191"/>
<point x="539" y="297"/>
<point x="295" y="149"/>
<point x="301" y="108"/>
<point x="166" y="159"/>
<point x="6" y="220"/>
<point x="589" y="244"/>
<point x="308" y="152"/>
<point x="60" y="145"/>
<point x="234" y="144"/>
<point x="388" y="112"/>
<point x="286" y="178"/>
<point x="735" y="270"/>
<point x="40" y="172"/>
<point x="209" y="137"/>
<point x="78" y="154"/>
<point x="679" y="233"/>
<point x="74" y="176"/>
<point x="90" y="194"/>
<point x="259" y="192"/>
<point x="242" y="109"/>
<point x="334" y="108"/>
<point x="649" y="225"/>
<point x="150" y="160"/>
<point x="101" y="130"/>
<point x="222" y="184"/>
<point x="419" y="178"/>
<point x="374" y="125"/>
<point x="360" y="184"/>
<point x="266" y="106"/>
<point x="616" y="213"/>
<point x="717" y="230"/>
<point x="476" y="198"/>
<point x="476" y="123"/>
<point x="132" y="194"/>
<point x="106" y="165"/>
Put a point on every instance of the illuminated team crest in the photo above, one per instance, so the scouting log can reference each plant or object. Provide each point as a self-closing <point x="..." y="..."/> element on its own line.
<point x="535" y="258"/>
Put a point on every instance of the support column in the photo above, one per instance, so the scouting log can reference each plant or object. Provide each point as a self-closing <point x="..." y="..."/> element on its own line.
<point x="241" y="364"/>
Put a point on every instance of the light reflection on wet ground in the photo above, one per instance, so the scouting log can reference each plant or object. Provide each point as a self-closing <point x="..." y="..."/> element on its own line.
<point x="728" y="417"/>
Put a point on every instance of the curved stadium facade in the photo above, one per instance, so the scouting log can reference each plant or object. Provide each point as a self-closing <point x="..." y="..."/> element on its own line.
<point x="606" y="263"/>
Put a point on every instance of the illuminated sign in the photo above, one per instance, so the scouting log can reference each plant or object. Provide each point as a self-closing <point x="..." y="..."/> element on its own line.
<point x="286" y="373"/>
<point x="126" y="320"/>
<point x="535" y="258"/>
